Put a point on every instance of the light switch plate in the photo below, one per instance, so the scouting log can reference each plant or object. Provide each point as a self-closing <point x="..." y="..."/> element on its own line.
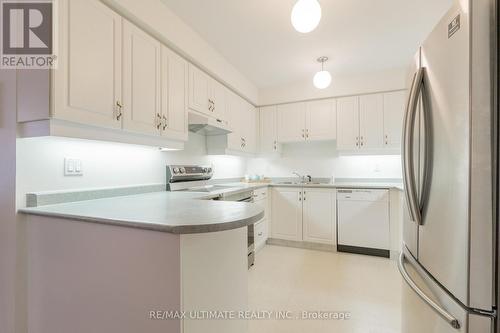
<point x="73" y="167"/>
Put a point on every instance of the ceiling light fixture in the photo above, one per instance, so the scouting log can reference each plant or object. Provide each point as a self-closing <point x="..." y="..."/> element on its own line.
<point x="322" y="79"/>
<point x="306" y="15"/>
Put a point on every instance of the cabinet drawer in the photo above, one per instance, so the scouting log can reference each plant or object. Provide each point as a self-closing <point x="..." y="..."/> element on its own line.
<point x="260" y="194"/>
<point x="260" y="233"/>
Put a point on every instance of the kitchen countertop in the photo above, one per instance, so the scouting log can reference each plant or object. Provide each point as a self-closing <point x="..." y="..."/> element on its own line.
<point x="173" y="212"/>
<point x="181" y="212"/>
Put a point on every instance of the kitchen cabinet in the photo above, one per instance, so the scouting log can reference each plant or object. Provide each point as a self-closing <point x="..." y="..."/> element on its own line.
<point x="287" y="213"/>
<point x="348" y="123"/>
<point x="310" y="121"/>
<point x="318" y="214"/>
<point x="371" y="121"/>
<point x="268" y="131"/>
<point x="291" y="118"/>
<point x="87" y="84"/>
<point x="250" y="128"/>
<point x="394" y="106"/>
<point x="174" y="86"/>
<point x="243" y="119"/>
<point x="261" y="230"/>
<point x="199" y="91"/>
<point x="321" y="120"/>
<point x="141" y="81"/>
<point x="304" y="214"/>
<point x="206" y="95"/>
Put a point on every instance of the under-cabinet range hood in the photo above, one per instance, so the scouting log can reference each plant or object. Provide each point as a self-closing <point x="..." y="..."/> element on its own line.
<point x="206" y="125"/>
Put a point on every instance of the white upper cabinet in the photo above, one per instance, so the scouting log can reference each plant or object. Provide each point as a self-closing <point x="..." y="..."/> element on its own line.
<point x="309" y="121"/>
<point x="394" y="105"/>
<point x="88" y="81"/>
<point x="141" y="81"/>
<point x="371" y="121"/>
<point x="321" y="120"/>
<point x="206" y="95"/>
<point x="235" y="117"/>
<point x="291" y="121"/>
<point x="199" y="91"/>
<point x="218" y="100"/>
<point x="174" y="83"/>
<point x="268" y="131"/>
<point x="348" y="123"/>
<point x="250" y="128"/>
<point x="319" y="215"/>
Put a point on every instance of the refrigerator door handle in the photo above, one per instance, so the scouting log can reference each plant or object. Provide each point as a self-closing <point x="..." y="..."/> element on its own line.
<point x="408" y="162"/>
<point x="436" y="307"/>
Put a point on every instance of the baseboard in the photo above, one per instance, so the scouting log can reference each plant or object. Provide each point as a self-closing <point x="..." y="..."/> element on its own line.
<point x="302" y="245"/>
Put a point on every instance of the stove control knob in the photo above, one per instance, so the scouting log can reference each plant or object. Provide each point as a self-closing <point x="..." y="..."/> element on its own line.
<point x="182" y="170"/>
<point x="176" y="170"/>
<point x="209" y="170"/>
<point x="205" y="170"/>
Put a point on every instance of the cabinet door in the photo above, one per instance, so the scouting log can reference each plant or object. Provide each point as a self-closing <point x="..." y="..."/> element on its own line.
<point x="141" y="81"/>
<point x="371" y="121"/>
<point x="199" y="94"/>
<point x="394" y="105"/>
<point x="218" y="96"/>
<point x="268" y="139"/>
<point x="88" y="81"/>
<point x="321" y="120"/>
<point x="291" y="122"/>
<point x="174" y="95"/>
<point x="250" y="129"/>
<point x="287" y="213"/>
<point x="348" y="123"/>
<point x="319" y="215"/>
<point x="235" y="114"/>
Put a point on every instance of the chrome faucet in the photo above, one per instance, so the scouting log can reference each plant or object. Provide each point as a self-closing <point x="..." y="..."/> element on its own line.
<point x="301" y="178"/>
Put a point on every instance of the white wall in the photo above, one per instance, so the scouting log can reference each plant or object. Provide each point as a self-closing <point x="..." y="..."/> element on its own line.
<point x="40" y="163"/>
<point x="159" y="20"/>
<point x="320" y="159"/>
<point x="393" y="79"/>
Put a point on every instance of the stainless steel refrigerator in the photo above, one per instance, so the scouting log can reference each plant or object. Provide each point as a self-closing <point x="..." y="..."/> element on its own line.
<point x="449" y="253"/>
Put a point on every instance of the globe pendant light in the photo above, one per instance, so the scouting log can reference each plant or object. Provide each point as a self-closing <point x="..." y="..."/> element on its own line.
<point x="306" y="15"/>
<point x="322" y="79"/>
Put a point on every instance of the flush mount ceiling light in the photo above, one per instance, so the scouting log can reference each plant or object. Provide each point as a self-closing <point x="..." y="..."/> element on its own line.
<point x="306" y="15"/>
<point x="322" y="79"/>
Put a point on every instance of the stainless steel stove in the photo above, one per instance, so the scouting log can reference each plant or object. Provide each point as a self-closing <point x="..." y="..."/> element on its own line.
<point x="195" y="178"/>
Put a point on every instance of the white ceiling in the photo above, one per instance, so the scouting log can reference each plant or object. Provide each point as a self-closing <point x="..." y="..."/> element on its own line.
<point x="256" y="36"/>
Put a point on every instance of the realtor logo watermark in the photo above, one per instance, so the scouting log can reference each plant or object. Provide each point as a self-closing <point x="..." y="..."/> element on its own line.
<point x="27" y="34"/>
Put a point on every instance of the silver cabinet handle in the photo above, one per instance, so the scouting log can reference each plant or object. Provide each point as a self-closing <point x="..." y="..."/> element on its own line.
<point x="158" y="121"/>
<point x="407" y="148"/>
<point x="165" y="124"/>
<point x="119" y="107"/>
<point x="436" y="307"/>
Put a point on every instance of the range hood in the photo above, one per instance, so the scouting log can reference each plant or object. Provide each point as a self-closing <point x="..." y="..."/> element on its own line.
<point x="205" y="125"/>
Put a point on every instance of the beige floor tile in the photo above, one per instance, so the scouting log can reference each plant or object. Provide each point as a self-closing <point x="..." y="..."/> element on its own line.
<point x="296" y="280"/>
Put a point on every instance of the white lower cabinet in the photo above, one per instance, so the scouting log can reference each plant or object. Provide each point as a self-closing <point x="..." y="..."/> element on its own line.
<point x="304" y="214"/>
<point x="261" y="228"/>
<point x="318" y="215"/>
<point x="287" y="213"/>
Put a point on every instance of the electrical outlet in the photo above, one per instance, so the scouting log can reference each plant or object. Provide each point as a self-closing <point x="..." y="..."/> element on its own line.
<point x="73" y="167"/>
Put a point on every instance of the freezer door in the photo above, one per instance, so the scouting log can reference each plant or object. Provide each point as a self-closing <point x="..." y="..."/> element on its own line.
<point x="455" y="236"/>
<point x="418" y="316"/>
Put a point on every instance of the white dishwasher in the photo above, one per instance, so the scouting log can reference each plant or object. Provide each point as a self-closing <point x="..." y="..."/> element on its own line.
<point x="363" y="221"/>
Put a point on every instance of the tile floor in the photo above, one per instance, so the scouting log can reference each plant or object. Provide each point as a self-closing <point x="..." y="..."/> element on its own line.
<point x="296" y="280"/>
